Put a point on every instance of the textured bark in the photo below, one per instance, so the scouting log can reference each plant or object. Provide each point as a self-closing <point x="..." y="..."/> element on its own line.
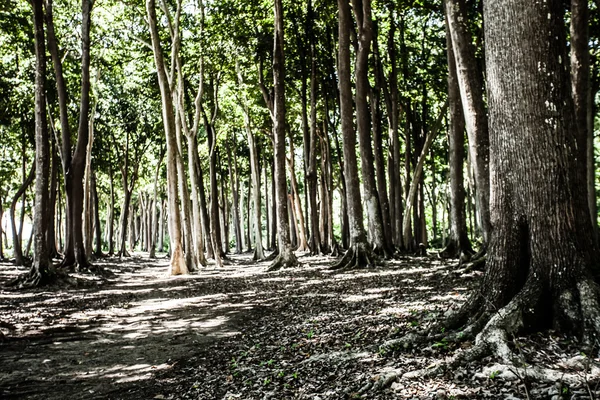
<point x="362" y="13"/>
<point x="177" y="265"/>
<point x="582" y="98"/>
<point x="358" y="255"/>
<point x="41" y="270"/>
<point x="316" y="237"/>
<point x="541" y="250"/>
<point x="458" y="241"/>
<point x="286" y="257"/>
<point x="470" y="81"/>
<point x="380" y="172"/>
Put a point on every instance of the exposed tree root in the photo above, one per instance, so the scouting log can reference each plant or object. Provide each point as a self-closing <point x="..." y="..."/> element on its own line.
<point x="285" y="259"/>
<point x="453" y="250"/>
<point x="494" y="331"/>
<point x="358" y="256"/>
<point x="336" y="250"/>
<point x="473" y="264"/>
<point x="273" y="255"/>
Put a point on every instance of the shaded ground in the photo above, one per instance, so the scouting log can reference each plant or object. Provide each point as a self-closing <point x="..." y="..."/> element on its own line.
<point x="242" y="333"/>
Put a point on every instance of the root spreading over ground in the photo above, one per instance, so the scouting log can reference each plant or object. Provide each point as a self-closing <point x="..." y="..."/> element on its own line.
<point x="242" y="332"/>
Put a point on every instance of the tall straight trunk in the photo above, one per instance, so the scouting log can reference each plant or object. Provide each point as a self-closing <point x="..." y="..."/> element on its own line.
<point x="315" y="242"/>
<point x="110" y="218"/>
<point x="267" y="209"/>
<point x="161" y="229"/>
<point x="215" y="223"/>
<point x="286" y="256"/>
<point x="191" y="257"/>
<point x="51" y="227"/>
<point x="581" y="87"/>
<point x="470" y="82"/>
<point x="204" y="218"/>
<point x="235" y="194"/>
<point x="88" y="214"/>
<point x="177" y="265"/>
<point x="97" y="223"/>
<point x="153" y="218"/>
<point x="255" y="175"/>
<point x="458" y="242"/>
<point x="40" y="269"/>
<point x="362" y="13"/>
<point x="193" y="158"/>
<point x="299" y="223"/>
<point x="375" y="96"/>
<point x="358" y="254"/>
<point x="273" y="208"/>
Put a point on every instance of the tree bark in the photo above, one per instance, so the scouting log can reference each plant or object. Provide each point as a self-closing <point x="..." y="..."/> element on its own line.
<point x="458" y="241"/>
<point x="286" y="256"/>
<point x="470" y="82"/>
<point x="541" y="250"/>
<point x="177" y="265"/>
<point x="362" y="13"/>
<point x="41" y="270"/>
<point x="582" y="98"/>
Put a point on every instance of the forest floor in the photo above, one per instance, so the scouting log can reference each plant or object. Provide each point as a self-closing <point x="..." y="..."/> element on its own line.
<point x="241" y="332"/>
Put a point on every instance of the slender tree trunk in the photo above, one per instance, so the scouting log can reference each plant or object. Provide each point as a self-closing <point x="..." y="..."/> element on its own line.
<point x="458" y="242"/>
<point x="98" y="224"/>
<point x="178" y="265"/>
<point x="581" y="86"/>
<point x="470" y="82"/>
<point x="17" y="248"/>
<point x="51" y="228"/>
<point x="161" y="231"/>
<point x="286" y="256"/>
<point x="110" y="219"/>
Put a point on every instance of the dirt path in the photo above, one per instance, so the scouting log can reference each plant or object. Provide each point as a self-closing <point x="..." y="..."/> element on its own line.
<point x="243" y="333"/>
<point x="106" y="341"/>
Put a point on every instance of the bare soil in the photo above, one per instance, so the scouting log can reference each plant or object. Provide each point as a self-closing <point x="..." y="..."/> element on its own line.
<point x="240" y="332"/>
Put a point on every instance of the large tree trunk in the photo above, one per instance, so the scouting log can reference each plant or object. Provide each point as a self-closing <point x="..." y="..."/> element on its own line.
<point x="470" y="81"/>
<point x="286" y="256"/>
<point x="541" y="250"/>
<point x="41" y="270"/>
<point x="458" y="241"/>
<point x="177" y="265"/>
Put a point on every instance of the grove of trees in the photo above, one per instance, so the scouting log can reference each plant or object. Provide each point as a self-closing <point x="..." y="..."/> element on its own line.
<point x="375" y="128"/>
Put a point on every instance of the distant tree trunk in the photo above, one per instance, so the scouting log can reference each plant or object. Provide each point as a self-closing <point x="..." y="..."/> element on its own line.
<point x="541" y="251"/>
<point x="161" y="230"/>
<point x="17" y="246"/>
<point x="41" y="270"/>
<point x="196" y="198"/>
<point x="458" y="242"/>
<point x="267" y="209"/>
<point x="51" y="228"/>
<point x="177" y="265"/>
<point x="204" y="218"/>
<point x="88" y="214"/>
<point x="235" y="194"/>
<point x="299" y="223"/>
<point x="376" y="117"/>
<point x="470" y="82"/>
<point x="286" y="256"/>
<point x="274" y="214"/>
<point x="581" y="86"/>
<point x="98" y="225"/>
<point x="415" y="185"/>
<point x="110" y="218"/>
<point x="153" y="218"/>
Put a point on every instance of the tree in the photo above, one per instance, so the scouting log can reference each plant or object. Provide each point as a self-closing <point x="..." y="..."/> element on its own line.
<point x="470" y="82"/>
<point x="286" y="257"/>
<point x="41" y="270"/>
<point x="359" y="254"/>
<point x="178" y="264"/>
<point x="73" y="161"/>
<point x="458" y="242"/>
<point x="541" y="252"/>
